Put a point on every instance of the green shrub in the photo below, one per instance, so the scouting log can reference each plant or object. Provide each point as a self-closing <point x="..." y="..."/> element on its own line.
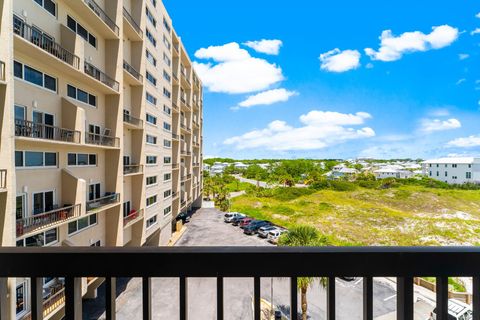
<point x="287" y="194"/>
<point x="369" y="184"/>
<point x="339" y="185"/>
<point x="283" y="210"/>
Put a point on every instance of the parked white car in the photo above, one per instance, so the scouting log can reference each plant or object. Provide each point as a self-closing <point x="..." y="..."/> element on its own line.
<point x="264" y="231"/>
<point x="457" y="310"/>
<point x="274" y="235"/>
<point x="229" y="217"/>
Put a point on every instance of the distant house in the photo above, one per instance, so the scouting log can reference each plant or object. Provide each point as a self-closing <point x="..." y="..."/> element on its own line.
<point x="240" y="165"/>
<point x="341" y="172"/>
<point x="453" y="170"/>
<point x="206" y="167"/>
<point x="264" y="165"/>
<point x="392" y="173"/>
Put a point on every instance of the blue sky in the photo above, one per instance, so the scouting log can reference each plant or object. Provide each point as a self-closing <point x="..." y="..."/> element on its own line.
<point x="324" y="85"/>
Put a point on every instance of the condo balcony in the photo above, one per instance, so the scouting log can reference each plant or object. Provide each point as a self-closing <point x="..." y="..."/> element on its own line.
<point x="3" y="180"/>
<point x="53" y="297"/>
<point x="99" y="204"/>
<point x="132" y="72"/>
<point x="39" y="220"/>
<point x="132" y="28"/>
<point x="99" y="75"/>
<point x="2" y="71"/>
<point x="132" y="169"/>
<point x="33" y="130"/>
<point x="132" y="122"/>
<point x="175" y="106"/>
<point x="289" y="263"/>
<point x="100" y="21"/>
<point x="47" y="44"/>
<point x="175" y="136"/>
<point x="102" y="140"/>
<point x="175" y="166"/>
<point x="133" y="217"/>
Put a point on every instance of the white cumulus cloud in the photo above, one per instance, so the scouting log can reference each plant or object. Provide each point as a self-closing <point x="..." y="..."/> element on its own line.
<point x="466" y="142"/>
<point x="271" y="47"/>
<point x="267" y="98"/>
<point x="394" y="47"/>
<point x="340" y="61"/>
<point x="432" y="125"/>
<point x="463" y="56"/>
<point x="476" y="31"/>
<point x="478" y="15"/>
<point x="234" y="70"/>
<point x="319" y="129"/>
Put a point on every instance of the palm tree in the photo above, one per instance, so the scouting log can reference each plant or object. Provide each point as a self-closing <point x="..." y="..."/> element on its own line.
<point x="222" y="198"/>
<point x="304" y="236"/>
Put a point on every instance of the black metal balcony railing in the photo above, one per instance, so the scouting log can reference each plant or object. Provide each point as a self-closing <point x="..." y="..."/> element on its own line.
<point x="175" y="76"/>
<point x="175" y="166"/>
<point x="183" y="100"/>
<point x="102" y="15"/>
<point x="132" y="120"/>
<point x="132" y="21"/>
<point x="37" y="221"/>
<point x="132" y="217"/>
<point x="96" y="73"/>
<point x="235" y="262"/>
<point x="101" y="140"/>
<point x="132" y="71"/>
<point x="132" y="169"/>
<point x="3" y="178"/>
<point x="2" y="71"/>
<point x="96" y="204"/>
<point x="36" y="37"/>
<point x="175" y="136"/>
<point x="29" y="129"/>
<point x="175" y="106"/>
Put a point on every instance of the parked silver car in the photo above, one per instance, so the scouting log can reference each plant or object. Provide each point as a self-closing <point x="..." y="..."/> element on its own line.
<point x="275" y="234"/>
<point x="457" y="310"/>
<point x="229" y="217"/>
<point x="263" y="231"/>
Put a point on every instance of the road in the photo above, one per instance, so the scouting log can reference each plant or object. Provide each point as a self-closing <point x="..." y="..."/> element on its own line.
<point x="208" y="229"/>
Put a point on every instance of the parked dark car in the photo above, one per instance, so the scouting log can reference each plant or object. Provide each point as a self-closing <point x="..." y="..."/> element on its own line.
<point x="245" y="222"/>
<point x="184" y="216"/>
<point x="253" y="226"/>
<point x="237" y="220"/>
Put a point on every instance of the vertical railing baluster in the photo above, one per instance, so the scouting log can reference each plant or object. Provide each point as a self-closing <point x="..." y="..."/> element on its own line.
<point x="183" y="298"/>
<point x="476" y="298"/>
<point x="367" y="298"/>
<point x="73" y="298"/>
<point x="36" y="298"/>
<point x="219" y="298"/>
<point x="331" y="298"/>
<point x="293" y="298"/>
<point x="110" y="298"/>
<point x="147" y="298"/>
<point x="256" y="298"/>
<point x="405" y="298"/>
<point x="442" y="298"/>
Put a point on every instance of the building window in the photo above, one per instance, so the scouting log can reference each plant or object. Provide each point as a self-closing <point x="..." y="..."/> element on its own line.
<point x="166" y="76"/>
<point x="151" y="180"/>
<point x="167" y="210"/>
<point x="438" y="173"/>
<point x="48" y="5"/>
<point x="166" y="42"/>
<point x="151" y="99"/>
<point x="34" y="76"/>
<point x="154" y="2"/>
<point x="166" y="25"/>
<point x="81" y="31"/>
<point x="151" y="160"/>
<point x="446" y="174"/>
<point x="166" y="59"/>
<point x="166" y="93"/>
<point x="167" y="110"/>
<point x="151" y="79"/>
<point x="167" y="160"/>
<point x="96" y="244"/>
<point x="167" y="177"/>
<point x="151" y="58"/>
<point x="35" y="159"/>
<point x="151" y="139"/>
<point x="151" y="201"/>
<point x="167" y="143"/>
<point x="150" y="222"/>
<point x="469" y="175"/>
<point x="151" y="38"/>
<point x="81" y="224"/>
<point x="167" y="126"/>
<point x="127" y="207"/>
<point x="454" y="165"/>
<point x="167" y="193"/>
<point x="150" y="17"/>
<point x="81" y="159"/>
<point x="151" y="119"/>
<point x="81" y="95"/>
<point x="40" y="239"/>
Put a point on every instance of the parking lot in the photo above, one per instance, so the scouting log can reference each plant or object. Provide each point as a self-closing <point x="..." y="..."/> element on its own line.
<point x="207" y="228"/>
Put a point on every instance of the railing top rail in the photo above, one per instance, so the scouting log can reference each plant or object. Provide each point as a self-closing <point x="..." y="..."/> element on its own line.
<point x="114" y="195"/>
<point x="21" y="122"/>
<point x="230" y="261"/>
<point x="49" y="212"/>
<point x="132" y="21"/>
<point x="102" y="15"/>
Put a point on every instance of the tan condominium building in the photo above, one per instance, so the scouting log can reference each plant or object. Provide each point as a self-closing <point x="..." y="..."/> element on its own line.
<point x="101" y="130"/>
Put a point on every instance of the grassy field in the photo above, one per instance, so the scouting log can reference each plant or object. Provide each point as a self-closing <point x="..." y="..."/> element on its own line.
<point x="406" y="215"/>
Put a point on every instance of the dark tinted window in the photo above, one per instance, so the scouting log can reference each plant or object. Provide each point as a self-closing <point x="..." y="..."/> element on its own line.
<point x="71" y="24"/>
<point x="92" y="40"/>
<point x="18" y="159"/>
<point x="72" y="159"/>
<point x="82" y="159"/>
<point x="50" y="236"/>
<point x="72" y="227"/>
<point x="71" y="91"/>
<point x="50" y="6"/>
<point x="92" y="100"/>
<point x="33" y="76"/>
<point x="50" y="83"/>
<point x="82" y="32"/>
<point x="82" y="96"/>
<point x="93" y="219"/>
<point x="33" y="159"/>
<point x="92" y="159"/>
<point x="17" y="69"/>
<point x="50" y="159"/>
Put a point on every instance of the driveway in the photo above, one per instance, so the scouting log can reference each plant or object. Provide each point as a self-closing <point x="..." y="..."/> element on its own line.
<point x="208" y="229"/>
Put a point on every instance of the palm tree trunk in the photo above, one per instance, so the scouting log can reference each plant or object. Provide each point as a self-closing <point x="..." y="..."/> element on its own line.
<point x="304" y="302"/>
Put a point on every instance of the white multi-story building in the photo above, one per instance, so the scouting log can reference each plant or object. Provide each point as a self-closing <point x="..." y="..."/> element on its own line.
<point x="453" y="170"/>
